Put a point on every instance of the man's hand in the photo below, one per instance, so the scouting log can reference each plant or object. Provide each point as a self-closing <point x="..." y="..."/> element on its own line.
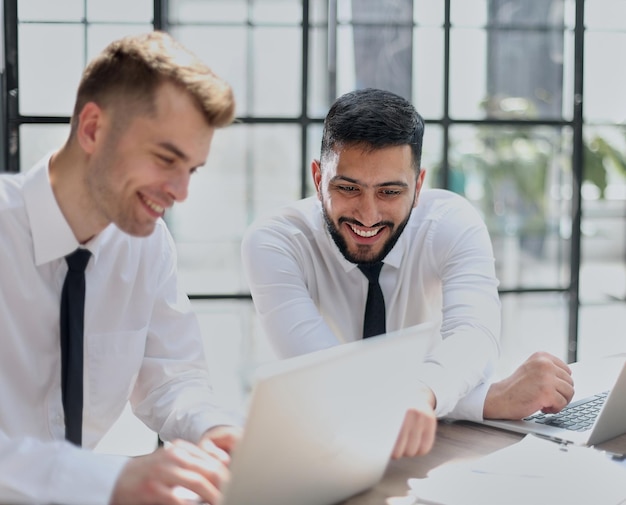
<point x="158" y="478"/>
<point x="543" y="382"/>
<point x="224" y="438"/>
<point x="417" y="434"/>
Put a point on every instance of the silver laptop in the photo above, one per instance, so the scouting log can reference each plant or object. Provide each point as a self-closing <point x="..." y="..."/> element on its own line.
<point x="589" y="421"/>
<point x="321" y="427"/>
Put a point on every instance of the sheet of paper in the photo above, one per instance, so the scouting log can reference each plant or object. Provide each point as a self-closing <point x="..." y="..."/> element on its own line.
<point x="532" y="472"/>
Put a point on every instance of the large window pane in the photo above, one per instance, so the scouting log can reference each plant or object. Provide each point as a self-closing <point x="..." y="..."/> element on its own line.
<point x="208" y="11"/>
<point x="49" y="73"/>
<point x="380" y="52"/>
<point x="513" y="65"/>
<point x="428" y="72"/>
<point x="468" y="73"/>
<point x="37" y="140"/>
<point x="274" y="164"/>
<point x="525" y="74"/>
<point x="605" y="77"/>
<point x="251" y="169"/>
<point x="532" y="322"/>
<point x="346" y="72"/>
<point x="469" y="13"/>
<point x="601" y="326"/>
<point x="137" y="11"/>
<point x="45" y="10"/>
<point x="428" y="12"/>
<point x="263" y="63"/>
<point x="314" y="143"/>
<point x="515" y="177"/>
<point x="234" y="346"/>
<point x="99" y="36"/>
<point x="319" y="75"/>
<point x="432" y="149"/>
<point x="276" y="84"/>
<point x="604" y="15"/>
<point x="604" y="212"/>
<point x="277" y="11"/>
<point x="232" y="65"/>
<point x="236" y="11"/>
<point x="208" y="226"/>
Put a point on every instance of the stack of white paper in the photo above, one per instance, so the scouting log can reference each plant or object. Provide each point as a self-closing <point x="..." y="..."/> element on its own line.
<point x="534" y="471"/>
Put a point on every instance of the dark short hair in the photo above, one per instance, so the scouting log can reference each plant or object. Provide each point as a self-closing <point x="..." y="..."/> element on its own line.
<point x="373" y="118"/>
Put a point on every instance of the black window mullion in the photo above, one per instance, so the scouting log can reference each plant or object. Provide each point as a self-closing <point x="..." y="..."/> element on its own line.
<point x="11" y="99"/>
<point x="304" y="99"/>
<point x="577" y="178"/>
<point x="445" y="161"/>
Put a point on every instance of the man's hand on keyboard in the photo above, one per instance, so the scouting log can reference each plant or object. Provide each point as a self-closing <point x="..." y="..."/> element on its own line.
<point x="543" y="382"/>
<point x="171" y="475"/>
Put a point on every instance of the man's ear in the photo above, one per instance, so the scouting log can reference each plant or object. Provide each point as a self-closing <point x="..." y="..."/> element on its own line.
<point x="316" y="172"/>
<point x="89" y="126"/>
<point x="418" y="186"/>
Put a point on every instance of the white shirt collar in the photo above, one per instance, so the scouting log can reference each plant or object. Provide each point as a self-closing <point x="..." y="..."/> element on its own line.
<point x="52" y="236"/>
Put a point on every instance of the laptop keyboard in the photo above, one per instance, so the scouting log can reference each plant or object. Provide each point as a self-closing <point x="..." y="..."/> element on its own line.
<point x="578" y="416"/>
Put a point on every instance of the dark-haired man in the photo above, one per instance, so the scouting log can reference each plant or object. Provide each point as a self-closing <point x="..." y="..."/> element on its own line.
<point x="435" y="262"/>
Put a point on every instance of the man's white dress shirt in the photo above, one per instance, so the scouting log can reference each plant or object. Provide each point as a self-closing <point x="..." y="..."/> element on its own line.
<point x="142" y="342"/>
<point x="308" y="296"/>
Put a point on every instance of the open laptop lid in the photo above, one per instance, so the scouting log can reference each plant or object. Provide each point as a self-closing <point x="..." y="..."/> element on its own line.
<point x="321" y="427"/>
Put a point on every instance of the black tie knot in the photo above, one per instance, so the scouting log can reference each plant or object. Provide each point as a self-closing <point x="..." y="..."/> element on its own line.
<point x="371" y="271"/>
<point x="77" y="261"/>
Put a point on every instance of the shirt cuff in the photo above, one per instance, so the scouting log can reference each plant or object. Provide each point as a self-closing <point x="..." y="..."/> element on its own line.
<point x="450" y="401"/>
<point x="435" y="378"/>
<point x="82" y="477"/>
<point x="203" y="423"/>
<point x="470" y="407"/>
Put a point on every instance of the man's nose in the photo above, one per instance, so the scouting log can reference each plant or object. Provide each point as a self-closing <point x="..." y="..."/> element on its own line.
<point x="367" y="211"/>
<point x="177" y="186"/>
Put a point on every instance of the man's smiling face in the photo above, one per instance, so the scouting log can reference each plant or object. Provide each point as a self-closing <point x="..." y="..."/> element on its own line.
<point x="139" y="169"/>
<point x="367" y="196"/>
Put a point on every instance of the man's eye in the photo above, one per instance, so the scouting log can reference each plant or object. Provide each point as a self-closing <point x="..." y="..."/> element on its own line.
<point x="347" y="189"/>
<point x="391" y="192"/>
<point x="165" y="159"/>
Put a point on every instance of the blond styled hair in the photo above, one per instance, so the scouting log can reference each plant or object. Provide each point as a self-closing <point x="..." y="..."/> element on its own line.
<point x="127" y="73"/>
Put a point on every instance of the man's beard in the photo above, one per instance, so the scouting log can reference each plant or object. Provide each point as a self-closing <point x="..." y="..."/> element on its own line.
<point x="361" y="259"/>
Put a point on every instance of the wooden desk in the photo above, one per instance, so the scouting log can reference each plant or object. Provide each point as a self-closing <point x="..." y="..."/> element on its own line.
<point x="462" y="440"/>
<point x="455" y="441"/>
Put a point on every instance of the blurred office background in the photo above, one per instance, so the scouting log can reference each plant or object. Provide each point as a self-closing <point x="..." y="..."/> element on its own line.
<point x="525" y="105"/>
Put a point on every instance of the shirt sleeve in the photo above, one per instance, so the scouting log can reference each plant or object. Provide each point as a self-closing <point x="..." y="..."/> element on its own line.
<point x="470" y="407"/>
<point x="275" y="274"/>
<point x="462" y="254"/>
<point x="173" y="394"/>
<point x="33" y="471"/>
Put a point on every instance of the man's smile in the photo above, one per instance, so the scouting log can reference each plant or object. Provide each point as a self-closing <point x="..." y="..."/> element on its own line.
<point x="152" y="205"/>
<point x="367" y="233"/>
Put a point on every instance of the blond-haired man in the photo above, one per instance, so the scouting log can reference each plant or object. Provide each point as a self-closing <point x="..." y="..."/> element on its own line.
<point x="145" y="114"/>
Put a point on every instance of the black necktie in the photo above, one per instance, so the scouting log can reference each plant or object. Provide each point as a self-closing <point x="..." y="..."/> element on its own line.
<point x="72" y="318"/>
<point x="374" y="320"/>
